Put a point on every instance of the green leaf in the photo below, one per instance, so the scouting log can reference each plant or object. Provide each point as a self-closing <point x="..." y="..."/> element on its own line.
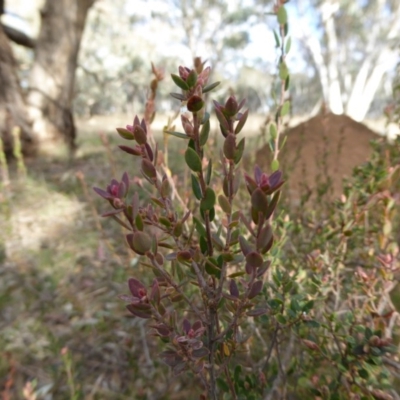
<point x="236" y="374"/>
<point x="222" y="385"/>
<point x="241" y="122"/>
<point x="211" y="214"/>
<point x="205" y="130"/>
<point x="178" y="134"/>
<point x="224" y="203"/>
<point x="177" y="96"/>
<point x="196" y="188"/>
<point x="191" y="79"/>
<point x="236" y="274"/>
<point x="277" y="40"/>
<point x="179" y="82"/>
<point x="199" y="227"/>
<point x="363" y="373"/>
<point x="273" y="133"/>
<point x="212" y="267"/>
<point x="239" y="151"/>
<point x="286" y="29"/>
<point x="312" y="324"/>
<point x="124" y="133"/>
<point x="285" y="108"/>
<point x="288" y="45"/>
<point x="206" y="118"/>
<point x="209" y="172"/>
<point x="165" y="221"/>
<point x="208" y="201"/>
<point x="139" y="222"/>
<point x="192" y="160"/>
<point x="274" y="165"/>
<point x="308" y="306"/>
<point x="259" y="200"/>
<point x="283" y="142"/>
<point x="283" y="71"/>
<point x="210" y="87"/>
<point x="287" y="82"/>
<point x="272" y="204"/>
<point x="281" y="319"/>
<point x="282" y="15"/>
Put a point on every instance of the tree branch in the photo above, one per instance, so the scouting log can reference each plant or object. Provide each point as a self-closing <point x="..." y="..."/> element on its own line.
<point x="19" y="37"/>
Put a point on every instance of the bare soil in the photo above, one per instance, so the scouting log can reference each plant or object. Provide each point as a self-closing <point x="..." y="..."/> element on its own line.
<point x="319" y="153"/>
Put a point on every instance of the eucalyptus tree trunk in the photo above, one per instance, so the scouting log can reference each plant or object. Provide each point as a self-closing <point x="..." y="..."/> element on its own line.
<point x="350" y="82"/>
<point x="13" y="111"/>
<point x="52" y="77"/>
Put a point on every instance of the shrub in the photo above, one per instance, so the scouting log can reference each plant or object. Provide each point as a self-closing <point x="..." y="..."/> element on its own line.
<point x="304" y="312"/>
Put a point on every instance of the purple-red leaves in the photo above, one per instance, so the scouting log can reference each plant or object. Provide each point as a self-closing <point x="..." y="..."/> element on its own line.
<point x="202" y="79"/>
<point x="137" y="131"/>
<point x="171" y="358"/>
<point x="223" y="122"/>
<point x="115" y="191"/>
<point x="264" y="237"/>
<point x="233" y="289"/>
<point x="228" y="114"/>
<point x="148" y="169"/>
<point x="229" y="147"/>
<point x="268" y="184"/>
<point x="155" y="292"/>
<point x="183" y="72"/>
<point x="231" y="107"/>
<point x="165" y="187"/>
<point x="140" y="134"/>
<point x="139" y="305"/>
<point x="257" y="312"/>
<point x="242" y="120"/>
<point x="187" y="125"/>
<point x="254" y="259"/>
<point x="256" y="288"/>
<point x="184" y="256"/>
<point x="193" y="331"/>
<point x="136" y="151"/>
<point x="137" y="289"/>
<point x="244" y="245"/>
<point x="259" y="200"/>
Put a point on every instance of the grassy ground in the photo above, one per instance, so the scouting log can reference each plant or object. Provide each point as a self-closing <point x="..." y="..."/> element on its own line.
<point x="63" y="332"/>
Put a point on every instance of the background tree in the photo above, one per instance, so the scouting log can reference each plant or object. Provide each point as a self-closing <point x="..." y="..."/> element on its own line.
<point x="46" y="116"/>
<point x="13" y="111"/>
<point x="51" y="85"/>
<point x="351" y="48"/>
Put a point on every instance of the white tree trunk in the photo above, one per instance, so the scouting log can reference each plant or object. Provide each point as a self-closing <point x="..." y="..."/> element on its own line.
<point x="335" y="103"/>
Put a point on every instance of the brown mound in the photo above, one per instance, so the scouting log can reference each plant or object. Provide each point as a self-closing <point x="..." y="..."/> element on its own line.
<point x="319" y="153"/>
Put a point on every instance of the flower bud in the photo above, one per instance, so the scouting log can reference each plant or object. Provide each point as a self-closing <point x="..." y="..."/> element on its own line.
<point x="195" y="104"/>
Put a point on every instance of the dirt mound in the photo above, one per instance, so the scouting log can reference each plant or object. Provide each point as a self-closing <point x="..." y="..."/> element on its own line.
<point x="319" y="153"/>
